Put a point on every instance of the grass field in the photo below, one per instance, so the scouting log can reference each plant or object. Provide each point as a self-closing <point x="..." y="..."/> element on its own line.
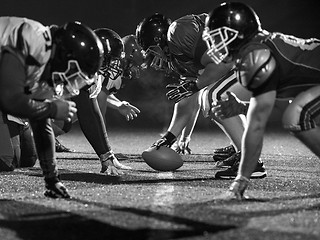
<point x="145" y="204"/>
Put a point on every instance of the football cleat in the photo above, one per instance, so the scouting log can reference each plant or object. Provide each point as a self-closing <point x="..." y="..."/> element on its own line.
<point x="231" y="173"/>
<point x="61" y="148"/>
<point x="221" y="154"/>
<point x="55" y="189"/>
<point x="227" y="163"/>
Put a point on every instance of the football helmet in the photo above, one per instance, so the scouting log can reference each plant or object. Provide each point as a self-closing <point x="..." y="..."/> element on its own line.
<point x="113" y="53"/>
<point x="133" y="61"/>
<point x="228" y="27"/>
<point x="77" y="54"/>
<point x="151" y="35"/>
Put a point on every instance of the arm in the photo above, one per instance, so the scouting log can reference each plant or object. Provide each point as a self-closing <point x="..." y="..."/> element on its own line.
<point x="16" y="102"/>
<point x="211" y="74"/>
<point x="258" y="114"/>
<point x="124" y="108"/>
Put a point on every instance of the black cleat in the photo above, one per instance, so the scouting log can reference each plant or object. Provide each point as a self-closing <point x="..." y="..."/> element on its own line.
<point x="56" y="190"/>
<point x="228" y="163"/>
<point x="231" y="173"/>
<point x="61" y="148"/>
<point x="221" y="154"/>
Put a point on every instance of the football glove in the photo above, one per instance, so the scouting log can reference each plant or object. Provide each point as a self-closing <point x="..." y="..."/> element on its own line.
<point x="177" y="92"/>
<point x="166" y="140"/>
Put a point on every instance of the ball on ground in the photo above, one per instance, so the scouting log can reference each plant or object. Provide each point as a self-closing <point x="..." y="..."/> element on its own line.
<point x="162" y="159"/>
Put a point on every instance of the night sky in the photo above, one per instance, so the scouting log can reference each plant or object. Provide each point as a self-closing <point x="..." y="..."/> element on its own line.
<point x="295" y="17"/>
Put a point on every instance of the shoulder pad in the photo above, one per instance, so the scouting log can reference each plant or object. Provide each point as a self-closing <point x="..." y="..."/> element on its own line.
<point x="255" y="67"/>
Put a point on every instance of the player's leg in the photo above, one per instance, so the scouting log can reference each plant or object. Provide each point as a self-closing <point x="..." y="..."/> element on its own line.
<point x="232" y="127"/>
<point x="183" y="112"/>
<point x="102" y="101"/>
<point x="8" y="158"/>
<point x="59" y="128"/>
<point x="45" y="145"/>
<point x="28" y="148"/>
<point x="182" y="145"/>
<point x="301" y="118"/>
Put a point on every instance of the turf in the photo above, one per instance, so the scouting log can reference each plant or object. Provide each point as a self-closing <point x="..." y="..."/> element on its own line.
<point x="145" y="204"/>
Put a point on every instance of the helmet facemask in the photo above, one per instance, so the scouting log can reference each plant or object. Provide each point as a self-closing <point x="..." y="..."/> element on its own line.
<point x="158" y="59"/>
<point x="68" y="84"/>
<point x="218" y="41"/>
<point x="111" y="69"/>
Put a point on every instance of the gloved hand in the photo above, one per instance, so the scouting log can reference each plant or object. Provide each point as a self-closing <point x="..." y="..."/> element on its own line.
<point x="166" y="140"/>
<point x="182" y="146"/>
<point x="177" y="92"/>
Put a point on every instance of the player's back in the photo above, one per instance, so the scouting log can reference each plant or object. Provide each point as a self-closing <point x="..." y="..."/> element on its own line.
<point x="297" y="63"/>
<point x="33" y="42"/>
<point x="186" y="44"/>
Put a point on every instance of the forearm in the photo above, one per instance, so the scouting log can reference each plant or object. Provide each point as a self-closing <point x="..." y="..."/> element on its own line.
<point x="251" y="150"/>
<point x="13" y="99"/>
<point x="113" y="102"/>
<point x="24" y="107"/>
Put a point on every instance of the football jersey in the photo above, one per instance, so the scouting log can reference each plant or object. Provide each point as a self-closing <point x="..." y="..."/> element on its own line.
<point x="100" y="81"/>
<point x="186" y="44"/>
<point x="297" y="64"/>
<point x="31" y="42"/>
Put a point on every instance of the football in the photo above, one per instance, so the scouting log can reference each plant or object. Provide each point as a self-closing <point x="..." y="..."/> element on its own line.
<point x="162" y="159"/>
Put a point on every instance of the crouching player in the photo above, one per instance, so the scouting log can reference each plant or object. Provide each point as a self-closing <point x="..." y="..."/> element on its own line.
<point x="271" y="66"/>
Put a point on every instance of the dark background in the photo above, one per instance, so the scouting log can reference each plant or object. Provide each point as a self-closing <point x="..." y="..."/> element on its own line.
<point x="295" y="17"/>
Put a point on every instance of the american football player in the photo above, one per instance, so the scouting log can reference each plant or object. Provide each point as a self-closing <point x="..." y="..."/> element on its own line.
<point x="119" y="68"/>
<point x="106" y="83"/>
<point x="272" y="66"/>
<point x="178" y="46"/>
<point x="40" y="70"/>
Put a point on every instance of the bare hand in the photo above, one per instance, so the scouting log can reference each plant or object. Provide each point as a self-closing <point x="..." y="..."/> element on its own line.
<point x="65" y="109"/>
<point x="182" y="146"/>
<point x="129" y="111"/>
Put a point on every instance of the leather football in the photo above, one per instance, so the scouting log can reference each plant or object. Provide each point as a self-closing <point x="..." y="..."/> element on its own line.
<point x="162" y="159"/>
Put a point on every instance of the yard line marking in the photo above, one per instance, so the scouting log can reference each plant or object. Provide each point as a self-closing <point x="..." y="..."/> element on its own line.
<point x="164" y="191"/>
